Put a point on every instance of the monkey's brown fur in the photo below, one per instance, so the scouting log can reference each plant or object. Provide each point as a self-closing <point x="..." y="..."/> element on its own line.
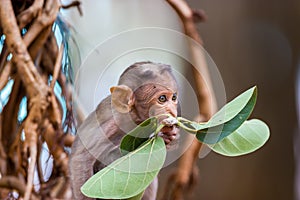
<point x="145" y="89"/>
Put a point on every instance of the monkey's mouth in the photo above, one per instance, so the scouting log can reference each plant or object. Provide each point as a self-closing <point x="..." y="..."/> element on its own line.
<point x="169" y="133"/>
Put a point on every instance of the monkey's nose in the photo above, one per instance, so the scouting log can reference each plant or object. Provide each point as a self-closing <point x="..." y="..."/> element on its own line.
<point x="173" y="111"/>
<point x="157" y="110"/>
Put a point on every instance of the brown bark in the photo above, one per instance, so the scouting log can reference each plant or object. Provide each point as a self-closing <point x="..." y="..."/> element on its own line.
<point x="35" y="57"/>
<point x="12" y="182"/>
<point x="29" y="14"/>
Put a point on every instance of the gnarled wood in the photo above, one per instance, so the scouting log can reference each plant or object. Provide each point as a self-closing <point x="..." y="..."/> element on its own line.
<point x="29" y="68"/>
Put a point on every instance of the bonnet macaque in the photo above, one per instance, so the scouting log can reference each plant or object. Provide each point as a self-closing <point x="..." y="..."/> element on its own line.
<point x="145" y="89"/>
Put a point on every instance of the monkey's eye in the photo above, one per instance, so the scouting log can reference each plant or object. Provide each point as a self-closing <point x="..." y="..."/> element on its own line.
<point x="162" y="98"/>
<point x="174" y="97"/>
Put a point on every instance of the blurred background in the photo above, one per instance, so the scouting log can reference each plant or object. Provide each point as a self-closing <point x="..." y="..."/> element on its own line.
<point x="256" y="42"/>
<point x="252" y="43"/>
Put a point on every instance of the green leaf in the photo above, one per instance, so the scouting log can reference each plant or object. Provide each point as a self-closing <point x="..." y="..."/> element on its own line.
<point x="233" y="108"/>
<point x="138" y="135"/>
<point x="228" y="119"/>
<point x="249" y="137"/>
<point x="137" y="197"/>
<point x="129" y="175"/>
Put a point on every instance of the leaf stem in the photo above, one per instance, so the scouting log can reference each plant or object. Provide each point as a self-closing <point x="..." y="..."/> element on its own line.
<point x="158" y="129"/>
<point x="181" y="119"/>
<point x="187" y="128"/>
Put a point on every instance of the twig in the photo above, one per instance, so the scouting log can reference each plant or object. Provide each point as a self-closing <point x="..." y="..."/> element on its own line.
<point x="16" y="45"/>
<point x="49" y="55"/>
<point x="72" y="4"/>
<point x="37" y="45"/>
<point x="4" y="75"/>
<point x="3" y="155"/>
<point x="186" y="15"/>
<point x="12" y="182"/>
<point x="14" y="149"/>
<point x="3" y="56"/>
<point x="38" y="166"/>
<point x="199" y="15"/>
<point x="56" y="114"/>
<point x="58" y="189"/>
<point x="31" y="136"/>
<point x="29" y="14"/>
<point x="46" y="18"/>
<point x="68" y="139"/>
<point x="24" y="18"/>
<point x="52" y="138"/>
<point x="57" y="66"/>
<point x="4" y="69"/>
<point x="10" y="115"/>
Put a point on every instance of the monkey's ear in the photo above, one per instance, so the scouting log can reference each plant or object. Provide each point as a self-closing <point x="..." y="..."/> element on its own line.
<point x="122" y="98"/>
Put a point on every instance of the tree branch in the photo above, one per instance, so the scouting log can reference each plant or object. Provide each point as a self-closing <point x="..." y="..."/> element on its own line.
<point x="57" y="66"/>
<point x="16" y="46"/>
<point x="37" y="90"/>
<point x="72" y="4"/>
<point x="10" y="115"/>
<point x="31" y="133"/>
<point x="12" y="182"/>
<point x="3" y="56"/>
<point x="44" y="116"/>
<point x="205" y="95"/>
<point x="29" y="14"/>
<point x="37" y="45"/>
<point x="4" y="75"/>
<point x="3" y="154"/>
<point x="46" y="18"/>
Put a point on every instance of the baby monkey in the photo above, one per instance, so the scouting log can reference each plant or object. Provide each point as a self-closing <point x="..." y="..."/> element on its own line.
<point x="144" y="89"/>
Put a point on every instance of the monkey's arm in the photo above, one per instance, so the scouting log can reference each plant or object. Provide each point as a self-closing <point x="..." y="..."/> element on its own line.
<point x="93" y="143"/>
<point x="79" y="171"/>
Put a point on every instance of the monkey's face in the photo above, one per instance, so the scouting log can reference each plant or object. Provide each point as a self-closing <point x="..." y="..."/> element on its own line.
<point x="155" y="99"/>
<point x="147" y="89"/>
